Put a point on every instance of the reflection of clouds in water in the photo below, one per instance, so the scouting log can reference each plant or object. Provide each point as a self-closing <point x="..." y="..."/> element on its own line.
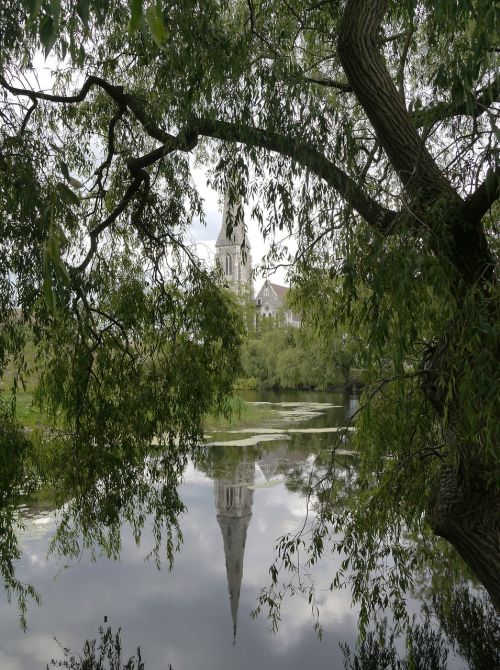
<point x="36" y="559"/>
<point x="8" y="662"/>
<point x="153" y="608"/>
<point x="31" y="651"/>
<point x="193" y="476"/>
<point x="250" y="441"/>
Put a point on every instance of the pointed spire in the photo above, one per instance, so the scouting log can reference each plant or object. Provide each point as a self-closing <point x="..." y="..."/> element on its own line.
<point x="233" y="502"/>
<point x="232" y="249"/>
<point x="232" y="231"/>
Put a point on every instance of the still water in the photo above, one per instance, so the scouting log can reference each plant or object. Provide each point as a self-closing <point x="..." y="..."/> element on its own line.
<point x="198" y="614"/>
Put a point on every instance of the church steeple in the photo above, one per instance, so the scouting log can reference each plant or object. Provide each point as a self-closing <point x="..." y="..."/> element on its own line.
<point x="232" y="249"/>
<point x="233" y="502"/>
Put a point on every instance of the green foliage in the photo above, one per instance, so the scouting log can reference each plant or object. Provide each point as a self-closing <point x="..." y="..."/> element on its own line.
<point x="290" y="358"/>
<point x="471" y="624"/>
<point x="135" y="341"/>
<point x="104" y="654"/>
<point x="426" y="650"/>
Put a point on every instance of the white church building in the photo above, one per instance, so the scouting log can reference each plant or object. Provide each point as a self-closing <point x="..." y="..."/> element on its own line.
<point x="233" y="255"/>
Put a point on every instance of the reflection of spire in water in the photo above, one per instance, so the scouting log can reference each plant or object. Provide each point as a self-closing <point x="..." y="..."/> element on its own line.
<point x="233" y="502"/>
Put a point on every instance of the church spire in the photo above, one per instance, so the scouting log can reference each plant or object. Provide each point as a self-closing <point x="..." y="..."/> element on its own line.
<point x="232" y="230"/>
<point x="232" y="249"/>
<point x="233" y="502"/>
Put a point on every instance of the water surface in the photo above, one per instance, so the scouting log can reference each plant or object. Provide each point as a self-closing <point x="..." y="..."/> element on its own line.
<point x="198" y="615"/>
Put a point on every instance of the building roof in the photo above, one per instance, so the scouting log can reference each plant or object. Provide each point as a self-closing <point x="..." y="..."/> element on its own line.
<point x="280" y="291"/>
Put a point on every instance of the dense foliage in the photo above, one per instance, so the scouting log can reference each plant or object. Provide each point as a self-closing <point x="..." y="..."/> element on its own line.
<point x="291" y="358"/>
<point x="365" y="129"/>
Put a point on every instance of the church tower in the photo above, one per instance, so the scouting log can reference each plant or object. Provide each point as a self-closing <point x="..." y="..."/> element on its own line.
<point x="232" y="249"/>
<point x="233" y="502"/>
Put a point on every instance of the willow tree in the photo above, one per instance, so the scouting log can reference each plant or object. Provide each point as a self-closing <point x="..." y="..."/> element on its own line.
<point x="365" y="129"/>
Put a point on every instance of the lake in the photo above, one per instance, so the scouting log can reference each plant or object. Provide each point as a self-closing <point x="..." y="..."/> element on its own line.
<point x="239" y="499"/>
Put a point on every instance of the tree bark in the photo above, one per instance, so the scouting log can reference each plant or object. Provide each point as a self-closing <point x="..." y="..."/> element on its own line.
<point x="465" y="507"/>
<point x="457" y="235"/>
<point x="465" y="510"/>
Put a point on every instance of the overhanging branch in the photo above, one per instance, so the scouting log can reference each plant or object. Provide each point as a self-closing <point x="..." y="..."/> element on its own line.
<point x="309" y="157"/>
<point x="481" y="101"/>
<point x="117" y="93"/>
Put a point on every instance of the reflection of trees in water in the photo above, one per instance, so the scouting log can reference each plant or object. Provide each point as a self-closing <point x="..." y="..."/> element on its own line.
<point x="94" y="500"/>
<point x="426" y="650"/>
<point x="16" y="480"/>
<point x="457" y="619"/>
<point x="471" y="624"/>
<point x="130" y="491"/>
<point x="103" y="653"/>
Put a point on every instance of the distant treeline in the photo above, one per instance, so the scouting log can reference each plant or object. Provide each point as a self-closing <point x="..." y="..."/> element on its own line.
<point x="298" y="358"/>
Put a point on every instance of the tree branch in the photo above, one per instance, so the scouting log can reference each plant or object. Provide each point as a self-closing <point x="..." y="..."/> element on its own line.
<point x="367" y="72"/>
<point x="482" y="100"/>
<point x="117" y="93"/>
<point x="28" y="116"/>
<point x="479" y="202"/>
<point x="433" y="200"/>
<point x="309" y="157"/>
<point x="302" y="153"/>
<point x="95" y="232"/>
<point x="329" y="83"/>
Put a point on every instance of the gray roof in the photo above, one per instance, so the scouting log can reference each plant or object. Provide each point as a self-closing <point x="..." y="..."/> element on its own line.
<point x="279" y="290"/>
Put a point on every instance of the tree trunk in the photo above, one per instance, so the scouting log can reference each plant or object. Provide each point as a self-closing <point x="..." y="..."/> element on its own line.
<point x="465" y="510"/>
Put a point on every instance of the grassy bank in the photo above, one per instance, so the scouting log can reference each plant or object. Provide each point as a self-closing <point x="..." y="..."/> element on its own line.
<point x="240" y="414"/>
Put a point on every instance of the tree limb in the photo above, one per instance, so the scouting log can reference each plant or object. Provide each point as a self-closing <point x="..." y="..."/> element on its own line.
<point x="309" y="157"/>
<point x="433" y="201"/>
<point x="367" y="72"/>
<point x="117" y="93"/>
<point x="479" y="202"/>
<point x="482" y="100"/>
<point x="95" y="232"/>
<point x="329" y="83"/>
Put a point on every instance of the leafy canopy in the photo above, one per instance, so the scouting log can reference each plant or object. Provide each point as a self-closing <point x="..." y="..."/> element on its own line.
<point x="365" y="130"/>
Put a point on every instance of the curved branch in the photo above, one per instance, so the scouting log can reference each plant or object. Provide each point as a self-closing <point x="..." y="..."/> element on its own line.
<point x="117" y="93"/>
<point x="309" y="157"/>
<point x="304" y="154"/>
<point x="367" y="72"/>
<point x="482" y="100"/>
<point x="95" y="232"/>
<point x="28" y="116"/>
<point x="479" y="202"/>
<point x="436" y="204"/>
<point x="301" y="152"/>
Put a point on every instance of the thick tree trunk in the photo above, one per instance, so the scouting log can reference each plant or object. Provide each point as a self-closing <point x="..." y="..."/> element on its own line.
<point x="465" y="510"/>
<point x="458" y="237"/>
